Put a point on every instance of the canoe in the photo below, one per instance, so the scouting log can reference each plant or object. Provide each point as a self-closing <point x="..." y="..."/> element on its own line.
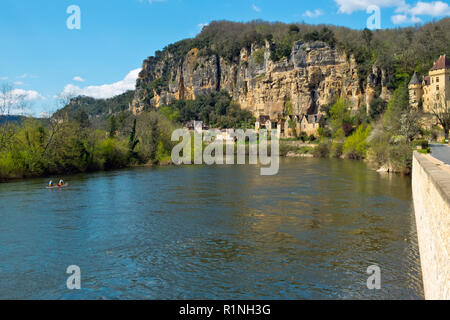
<point x="56" y="187"/>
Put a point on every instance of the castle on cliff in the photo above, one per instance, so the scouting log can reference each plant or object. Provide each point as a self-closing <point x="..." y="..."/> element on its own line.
<point x="434" y="89"/>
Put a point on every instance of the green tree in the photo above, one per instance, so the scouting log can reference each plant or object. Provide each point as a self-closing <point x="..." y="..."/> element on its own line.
<point x="355" y="147"/>
<point x="340" y="118"/>
<point x="112" y="126"/>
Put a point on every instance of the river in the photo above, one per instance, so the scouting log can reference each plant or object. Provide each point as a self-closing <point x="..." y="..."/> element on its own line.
<point x="212" y="232"/>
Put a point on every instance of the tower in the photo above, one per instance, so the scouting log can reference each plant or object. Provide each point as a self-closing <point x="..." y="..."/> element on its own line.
<point x="438" y="89"/>
<point x="415" y="91"/>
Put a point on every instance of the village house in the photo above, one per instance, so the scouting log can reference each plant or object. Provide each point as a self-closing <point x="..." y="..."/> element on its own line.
<point x="309" y="124"/>
<point x="196" y="125"/>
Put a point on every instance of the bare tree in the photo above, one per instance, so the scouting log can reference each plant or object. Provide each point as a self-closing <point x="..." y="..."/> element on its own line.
<point x="409" y="124"/>
<point x="441" y="110"/>
<point x="5" y="99"/>
<point x="56" y="123"/>
<point x="11" y="102"/>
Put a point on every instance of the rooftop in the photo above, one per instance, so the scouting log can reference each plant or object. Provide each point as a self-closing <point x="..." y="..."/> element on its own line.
<point x="414" y="79"/>
<point x="442" y="63"/>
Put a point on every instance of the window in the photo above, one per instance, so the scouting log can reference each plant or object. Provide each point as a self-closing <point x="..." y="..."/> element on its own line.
<point x="437" y="88"/>
<point x="437" y="79"/>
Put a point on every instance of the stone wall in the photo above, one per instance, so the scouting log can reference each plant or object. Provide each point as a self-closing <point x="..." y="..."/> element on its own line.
<point x="431" y="191"/>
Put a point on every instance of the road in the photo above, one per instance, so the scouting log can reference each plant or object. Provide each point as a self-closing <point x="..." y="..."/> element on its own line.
<point x="441" y="152"/>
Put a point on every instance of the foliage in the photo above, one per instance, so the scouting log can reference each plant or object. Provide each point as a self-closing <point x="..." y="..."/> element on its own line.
<point x="377" y="108"/>
<point x="35" y="147"/>
<point x="322" y="150"/>
<point x="340" y="119"/>
<point x="80" y="107"/>
<point x="258" y="56"/>
<point x="216" y="109"/>
<point x="355" y="147"/>
<point x="336" y="149"/>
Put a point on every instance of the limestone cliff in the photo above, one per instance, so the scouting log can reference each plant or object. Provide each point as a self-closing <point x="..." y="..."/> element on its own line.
<point x="312" y="77"/>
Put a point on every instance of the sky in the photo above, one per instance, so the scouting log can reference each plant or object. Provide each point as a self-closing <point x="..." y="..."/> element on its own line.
<point x="44" y="55"/>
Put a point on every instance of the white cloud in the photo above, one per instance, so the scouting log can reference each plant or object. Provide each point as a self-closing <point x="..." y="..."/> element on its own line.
<point x="403" y="18"/>
<point x="79" y="79"/>
<point x="152" y="1"/>
<point x="202" y="25"/>
<point x="3" y="78"/>
<point x="434" y="9"/>
<point x="26" y="95"/>
<point x="23" y="76"/>
<point x="45" y="114"/>
<point x="19" y="99"/>
<point x="256" y="8"/>
<point x="350" y="6"/>
<point x="18" y="83"/>
<point x="410" y="14"/>
<point x="313" y="14"/>
<point x="104" y="91"/>
<point x="405" y="12"/>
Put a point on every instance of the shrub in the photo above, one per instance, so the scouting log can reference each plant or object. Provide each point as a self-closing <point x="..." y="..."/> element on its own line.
<point x="322" y="150"/>
<point x="422" y="143"/>
<point x="356" y="146"/>
<point x="303" y="136"/>
<point x="400" y="157"/>
<point x="286" y="148"/>
<point x="113" y="154"/>
<point x="304" y="150"/>
<point x="425" y="151"/>
<point x="377" y="108"/>
<point x="336" y="149"/>
<point x="258" y="56"/>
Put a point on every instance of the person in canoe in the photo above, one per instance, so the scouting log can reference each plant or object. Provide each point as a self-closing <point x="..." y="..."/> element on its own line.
<point x="51" y="184"/>
<point x="61" y="183"/>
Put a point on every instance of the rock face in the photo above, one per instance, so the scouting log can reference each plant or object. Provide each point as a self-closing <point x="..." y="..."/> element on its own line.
<point x="314" y="76"/>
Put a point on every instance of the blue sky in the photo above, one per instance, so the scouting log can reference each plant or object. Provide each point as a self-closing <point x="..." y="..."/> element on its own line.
<point x="41" y="57"/>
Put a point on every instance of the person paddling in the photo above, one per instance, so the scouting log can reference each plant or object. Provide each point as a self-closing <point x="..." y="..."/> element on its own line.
<point x="61" y="183"/>
<point x="50" y="184"/>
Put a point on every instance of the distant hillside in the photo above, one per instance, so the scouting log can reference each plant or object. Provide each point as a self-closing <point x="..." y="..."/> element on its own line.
<point x="14" y="119"/>
<point x="96" y="108"/>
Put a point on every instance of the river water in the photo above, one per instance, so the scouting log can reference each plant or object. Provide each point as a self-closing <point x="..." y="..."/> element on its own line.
<point x="212" y="232"/>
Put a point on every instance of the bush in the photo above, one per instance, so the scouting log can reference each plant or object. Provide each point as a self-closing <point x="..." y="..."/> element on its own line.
<point x="322" y="150"/>
<point x="377" y="108"/>
<point x="303" y="136"/>
<point x="258" y="56"/>
<point x="356" y="146"/>
<point x="422" y="143"/>
<point x="113" y="154"/>
<point x="400" y="157"/>
<point x="425" y="151"/>
<point x="286" y="148"/>
<point x="336" y="149"/>
<point x="305" y="150"/>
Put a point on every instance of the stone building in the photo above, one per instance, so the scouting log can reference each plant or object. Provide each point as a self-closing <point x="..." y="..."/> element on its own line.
<point x="308" y="124"/>
<point x="434" y="89"/>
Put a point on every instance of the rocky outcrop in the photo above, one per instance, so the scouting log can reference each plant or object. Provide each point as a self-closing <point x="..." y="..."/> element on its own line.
<point x="314" y="76"/>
